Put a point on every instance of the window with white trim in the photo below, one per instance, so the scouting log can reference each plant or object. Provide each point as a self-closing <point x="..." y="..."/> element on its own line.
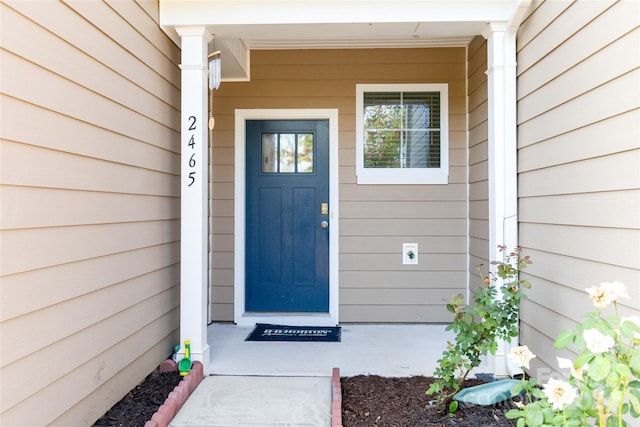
<point x="402" y="134"/>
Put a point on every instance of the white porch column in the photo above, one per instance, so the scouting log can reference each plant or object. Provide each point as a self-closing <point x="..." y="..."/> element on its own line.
<point x="503" y="196"/>
<point x="194" y="192"/>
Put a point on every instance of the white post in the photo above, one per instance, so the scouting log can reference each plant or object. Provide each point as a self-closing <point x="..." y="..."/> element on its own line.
<point x="194" y="192"/>
<point x="503" y="196"/>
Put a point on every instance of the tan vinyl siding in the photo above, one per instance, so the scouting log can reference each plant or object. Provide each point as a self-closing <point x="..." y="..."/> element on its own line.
<point x="374" y="219"/>
<point x="478" y="159"/>
<point x="90" y="206"/>
<point x="579" y="157"/>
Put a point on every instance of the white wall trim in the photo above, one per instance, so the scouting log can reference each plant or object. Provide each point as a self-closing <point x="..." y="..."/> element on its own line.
<point x="194" y="185"/>
<point x="248" y="319"/>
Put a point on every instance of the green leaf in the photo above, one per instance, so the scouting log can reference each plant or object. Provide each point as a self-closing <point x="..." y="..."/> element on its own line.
<point x="625" y="408"/>
<point x="616" y="397"/>
<point x="453" y="406"/>
<point x="583" y="358"/>
<point x="613" y="422"/>
<point x="564" y="339"/>
<point x="635" y="366"/>
<point x="467" y="318"/>
<point x="627" y="329"/>
<point x="578" y="341"/>
<point x="613" y="379"/>
<point x="573" y="423"/>
<point x="534" y="417"/>
<point x="635" y="403"/>
<point x="517" y="389"/>
<point x="586" y="400"/>
<point x="555" y="420"/>
<point x="591" y="323"/>
<point x="514" y="413"/>
<point x="612" y="320"/>
<point x="434" y="388"/>
<point x="631" y="325"/>
<point x="599" y="368"/>
<point x="623" y="370"/>
<point x="539" y="394"/>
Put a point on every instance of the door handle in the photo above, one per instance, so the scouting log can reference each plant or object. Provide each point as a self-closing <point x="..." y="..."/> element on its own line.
<point x="324" y="224"/>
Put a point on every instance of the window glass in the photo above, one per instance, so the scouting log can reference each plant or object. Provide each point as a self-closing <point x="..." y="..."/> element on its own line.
<point x="401" y="130"/>
<point x="402" y="133"/>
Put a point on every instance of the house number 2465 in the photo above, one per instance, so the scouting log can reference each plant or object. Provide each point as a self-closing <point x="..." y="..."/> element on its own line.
<point x="191" y="121"/>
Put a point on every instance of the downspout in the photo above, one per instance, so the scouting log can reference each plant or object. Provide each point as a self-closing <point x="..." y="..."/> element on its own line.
<point x="503" y="191"/>
<point x="214" y="75"/>
<point x="511" y="130"/>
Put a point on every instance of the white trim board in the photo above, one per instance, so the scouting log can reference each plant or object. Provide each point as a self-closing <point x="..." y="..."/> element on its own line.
<point x="241" y="317"/>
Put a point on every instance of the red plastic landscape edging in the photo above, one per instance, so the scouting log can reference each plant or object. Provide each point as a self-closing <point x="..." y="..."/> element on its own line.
<point x="178" y="396"/>
<point x="336" y="399"/>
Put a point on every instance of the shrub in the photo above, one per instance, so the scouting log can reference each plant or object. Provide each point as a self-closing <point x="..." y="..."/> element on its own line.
<point x="478" y="327"/>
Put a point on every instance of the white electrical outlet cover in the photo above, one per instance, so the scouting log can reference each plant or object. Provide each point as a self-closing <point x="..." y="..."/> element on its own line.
<point x="410" y="253"/>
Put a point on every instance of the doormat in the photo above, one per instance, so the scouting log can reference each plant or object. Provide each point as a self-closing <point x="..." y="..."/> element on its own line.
<point x="268" y="332"/>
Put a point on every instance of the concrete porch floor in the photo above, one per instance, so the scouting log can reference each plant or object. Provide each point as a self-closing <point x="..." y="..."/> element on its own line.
<point x="377" y="349"/>
<point x="267" y="384"/>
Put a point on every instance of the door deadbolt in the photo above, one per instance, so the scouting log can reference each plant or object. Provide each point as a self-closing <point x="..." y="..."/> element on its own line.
<point x="324" y="209"/>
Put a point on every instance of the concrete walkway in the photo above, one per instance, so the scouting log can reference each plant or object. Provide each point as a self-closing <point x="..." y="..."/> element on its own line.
<point x="249" y="401"/>
<point x="289" y="383"/>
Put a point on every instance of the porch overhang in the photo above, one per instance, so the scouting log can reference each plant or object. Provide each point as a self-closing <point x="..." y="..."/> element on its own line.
<point x="237" y="26"/>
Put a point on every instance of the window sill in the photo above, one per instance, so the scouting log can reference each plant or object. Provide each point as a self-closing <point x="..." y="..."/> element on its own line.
<point x="398" y="178"/>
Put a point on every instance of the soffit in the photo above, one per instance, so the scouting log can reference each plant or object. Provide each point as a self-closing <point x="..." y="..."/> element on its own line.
<point x="239" y="26"/>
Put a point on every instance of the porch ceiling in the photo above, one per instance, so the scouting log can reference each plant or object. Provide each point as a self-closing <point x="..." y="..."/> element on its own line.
<point x="242" y="25"/>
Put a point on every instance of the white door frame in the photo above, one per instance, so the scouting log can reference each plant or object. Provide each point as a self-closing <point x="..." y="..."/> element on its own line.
<point x="299" y="319"/>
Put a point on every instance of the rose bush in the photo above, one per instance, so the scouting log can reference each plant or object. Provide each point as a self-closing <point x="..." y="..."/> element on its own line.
<point x="479" y="327"/>
<point x="603" y="388"/>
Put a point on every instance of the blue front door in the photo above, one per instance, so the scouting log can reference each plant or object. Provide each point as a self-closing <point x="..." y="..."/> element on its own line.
<point x="287" y="235"/>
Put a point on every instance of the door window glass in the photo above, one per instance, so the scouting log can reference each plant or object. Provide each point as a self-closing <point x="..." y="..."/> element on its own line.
<point x="287" y="153"/>
<point x="269" y="152"/>
<point x="305" y="153"/>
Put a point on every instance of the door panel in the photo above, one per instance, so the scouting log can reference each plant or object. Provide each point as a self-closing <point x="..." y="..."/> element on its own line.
<point x="287" y="250"/>
<point x="270" y="235"/>
<point x="303" y="239"/>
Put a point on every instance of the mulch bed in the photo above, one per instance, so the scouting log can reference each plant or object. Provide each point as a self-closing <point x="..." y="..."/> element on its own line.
<point x="370" y="400"/>
<point x="367" y="401"/>
<point x="139" y="405"/>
